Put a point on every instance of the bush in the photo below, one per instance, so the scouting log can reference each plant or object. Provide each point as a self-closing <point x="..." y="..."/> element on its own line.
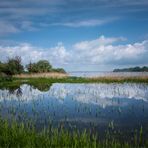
<point x="61" y="70"/>
<point x="12" y="66"/>
<point x="40" y="66"/>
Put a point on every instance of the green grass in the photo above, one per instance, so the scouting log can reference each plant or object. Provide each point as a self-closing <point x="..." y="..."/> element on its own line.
<point x="47" y="82"/>
<point x="20" y="135"/>
<point x="88" y="80"/>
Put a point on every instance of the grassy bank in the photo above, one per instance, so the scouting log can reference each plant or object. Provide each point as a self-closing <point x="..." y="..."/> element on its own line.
<point x="20" y="135"/>
<point x="65" y="78"/>
<point x="15" y="82"/>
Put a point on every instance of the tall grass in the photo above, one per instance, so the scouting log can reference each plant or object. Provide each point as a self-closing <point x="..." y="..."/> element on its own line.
<point x="64" y="78"/>
<point x="15" y="82"/>
<point x="42" y="75"/>
<point x="25" y="135"/>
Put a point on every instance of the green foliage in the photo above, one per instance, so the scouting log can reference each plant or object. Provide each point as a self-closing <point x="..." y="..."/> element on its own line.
<point x="12" y="66"/>
<point x="5" y="78"/>
<point x="43" y="83"/>
<point x="2" y="67"/>
<point x="134" y="69"/>
<point x="61" y="70"/>
<point x="39" y="67"/>
<point x="44" y="66"/>
<point x="25" y="135"/>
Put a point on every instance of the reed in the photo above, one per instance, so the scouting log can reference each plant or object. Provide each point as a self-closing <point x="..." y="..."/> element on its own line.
<point x="16" y="81"/>
<point x="120" y="79"/>
<point x="64" y="78"/>
<point x="42" y="75"/>
<point x="25" y="135"/>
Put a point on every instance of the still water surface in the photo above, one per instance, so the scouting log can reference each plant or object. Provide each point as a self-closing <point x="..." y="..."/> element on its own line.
<point x="80" y="106"/>
<point x="106" y="73"/>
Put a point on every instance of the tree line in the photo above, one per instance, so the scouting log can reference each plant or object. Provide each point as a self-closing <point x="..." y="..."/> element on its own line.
<point x="14" y="66"/>
<point x="132" y="69"/>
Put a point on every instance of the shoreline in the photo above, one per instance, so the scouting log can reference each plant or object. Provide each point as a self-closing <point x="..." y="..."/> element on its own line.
<point x="15" y="82"/>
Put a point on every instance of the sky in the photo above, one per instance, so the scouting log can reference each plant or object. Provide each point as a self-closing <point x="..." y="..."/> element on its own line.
<point x="77" y="35"/>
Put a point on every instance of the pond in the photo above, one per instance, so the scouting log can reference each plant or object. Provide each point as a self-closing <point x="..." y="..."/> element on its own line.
<point x="95" y="107"/>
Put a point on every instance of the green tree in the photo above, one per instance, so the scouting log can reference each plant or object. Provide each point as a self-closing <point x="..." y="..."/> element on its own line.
<point x="40" y="66"/>
<point x="2" y="67"/>
<point x="43" y="66"/>
<point x="14" y="66"/>
<point x="60" y="70"/>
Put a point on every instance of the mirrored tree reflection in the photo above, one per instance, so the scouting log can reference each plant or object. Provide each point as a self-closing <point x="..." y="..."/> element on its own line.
<point x="19" y="92"/>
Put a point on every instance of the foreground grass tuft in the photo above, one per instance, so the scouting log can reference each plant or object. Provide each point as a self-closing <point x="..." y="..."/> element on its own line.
<point x="20" y="135"/>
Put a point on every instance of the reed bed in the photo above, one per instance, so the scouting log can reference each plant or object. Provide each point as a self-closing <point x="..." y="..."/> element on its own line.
<point x="16" y="81"/>
<point x="120" y="78"/>
<point x="42" y="75"/>
<point x="25" y="135"/>
<point x="65" y="78"/>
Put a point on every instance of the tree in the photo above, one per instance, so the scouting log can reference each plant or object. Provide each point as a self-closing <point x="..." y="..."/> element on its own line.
<point x="40" y="66"/>
<point x="43" y="66"/>
<point x="60" y="70"/>
<point x="14" y="66"/>
<point x="2" y="67"/>
<point x="30" y="67"/>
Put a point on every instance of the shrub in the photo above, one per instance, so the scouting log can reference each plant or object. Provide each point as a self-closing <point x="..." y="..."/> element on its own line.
<point x="61" y="70"/>
<point x="40" y="66"/>
<point x="12" y="66"/>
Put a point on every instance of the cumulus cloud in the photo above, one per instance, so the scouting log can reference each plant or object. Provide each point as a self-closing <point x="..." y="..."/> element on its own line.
<point x="100" y="51"/>
<point x="56" y="55"/>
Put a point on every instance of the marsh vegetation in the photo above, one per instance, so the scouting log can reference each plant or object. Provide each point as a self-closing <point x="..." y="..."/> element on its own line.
<point x="74" y="115"/>
<point x="45" y="107"/>
<point x="13" y="66"/>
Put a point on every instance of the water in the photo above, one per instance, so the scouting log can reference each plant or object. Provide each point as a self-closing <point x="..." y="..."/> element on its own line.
<point x="80" y="106"/>
<point x="106" y="73"/>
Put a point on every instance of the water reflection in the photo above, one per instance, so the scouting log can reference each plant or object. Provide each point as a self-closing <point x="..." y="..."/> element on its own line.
<point x="79" y="105"/>
<point x="100" y="94"/>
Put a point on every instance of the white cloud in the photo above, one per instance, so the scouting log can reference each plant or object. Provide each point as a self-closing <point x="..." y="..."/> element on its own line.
<point x="84" y="23"/>
<point x="56" y="55"/>
<point x="101" y="51"/>
<point x="97" y="42"/>
<point x="59" y="54"/>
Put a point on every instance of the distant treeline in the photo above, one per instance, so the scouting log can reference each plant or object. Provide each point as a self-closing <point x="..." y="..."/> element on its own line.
<point x="132" y="69"/>
<point x="14" y="66"/>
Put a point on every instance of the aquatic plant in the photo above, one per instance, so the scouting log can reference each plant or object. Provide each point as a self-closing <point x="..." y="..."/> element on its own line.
<point x="25" y="135"/>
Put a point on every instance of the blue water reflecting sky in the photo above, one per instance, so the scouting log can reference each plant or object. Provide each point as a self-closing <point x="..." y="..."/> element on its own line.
<point x="80" y="105"/>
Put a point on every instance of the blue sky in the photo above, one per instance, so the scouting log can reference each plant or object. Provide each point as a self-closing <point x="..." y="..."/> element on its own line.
<point x="76" y="34"/>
